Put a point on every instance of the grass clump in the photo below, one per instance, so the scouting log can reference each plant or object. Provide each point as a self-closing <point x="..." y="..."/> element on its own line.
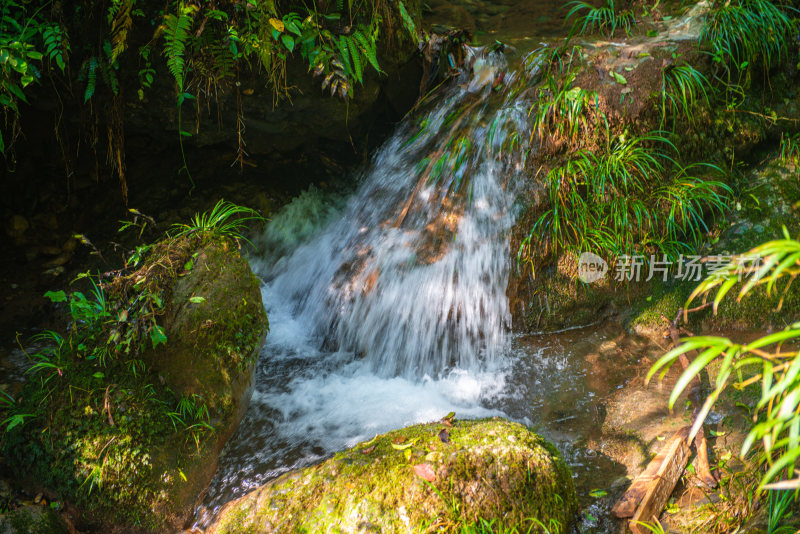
<point x="607" y="203"/>
<point x="742" y="33"/>
<point x="605" y="18"/>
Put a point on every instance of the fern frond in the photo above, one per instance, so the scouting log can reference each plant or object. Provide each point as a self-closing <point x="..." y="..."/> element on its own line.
<point x="355" y="55"/>
<point x="121" y="23"/>
<point x="176" y="35"/>
<point x="344" y="54"/>
<point x="91" y="78"/>
<point x="408" y="22"/>
<point x="369" y="49"/>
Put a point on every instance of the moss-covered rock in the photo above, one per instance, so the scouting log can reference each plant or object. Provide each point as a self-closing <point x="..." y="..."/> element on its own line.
<point x="32" y="520"/>
<point x="490" y="469"/>
<point x="132" y="438"/>
<point x="215" y="325"/>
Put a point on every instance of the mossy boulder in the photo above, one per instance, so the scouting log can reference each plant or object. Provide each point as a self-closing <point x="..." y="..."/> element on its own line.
<point x="32" y="520"/>
<point x="215" y="325"/>
<point x="132" y="440"/>
<point x="414" y="478"/>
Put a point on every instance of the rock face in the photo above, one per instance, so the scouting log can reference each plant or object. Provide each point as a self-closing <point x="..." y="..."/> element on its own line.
<point x="421" y="475"/>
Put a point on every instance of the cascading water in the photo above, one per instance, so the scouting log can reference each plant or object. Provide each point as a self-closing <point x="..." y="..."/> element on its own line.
<point x="395" y="311"/>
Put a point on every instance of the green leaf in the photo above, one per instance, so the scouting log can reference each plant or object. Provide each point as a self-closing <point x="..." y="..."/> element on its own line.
<point x="197" y="300"/>
<point x="98" y="374"/>
<point x="597" y="493"/>
<point x="189" y="265"/>
<point x="56" y="296"/>
<point x="619" y="78"/>
<point x="158" y="336"/>
<point x="35" y="55"/>
<point x="16" y="91"/>
<point x="288" y="42"/>
<point x="292" y="27"/>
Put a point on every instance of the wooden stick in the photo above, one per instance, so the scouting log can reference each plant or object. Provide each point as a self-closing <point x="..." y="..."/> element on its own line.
<point x="672" y="463"/>
<point x="626" y="506"/>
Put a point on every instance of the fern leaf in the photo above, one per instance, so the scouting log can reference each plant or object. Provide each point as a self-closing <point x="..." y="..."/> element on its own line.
<point x="345" y="55"/>
<point x="355" y="54"/>
<point x="122" y="23"/>
<point x="368" y="48"/>
<point x="408" y="22"/>
<point x="176" y="34"/>
<point x="91" y="78"/>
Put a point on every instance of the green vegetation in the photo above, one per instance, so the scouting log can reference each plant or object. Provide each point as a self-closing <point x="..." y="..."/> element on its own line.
<point x="107" y="417"/>
<point x="790" y="148"/>
<point x="772" y="360"/>
<point x="605" y="202"/>
<point x="207" y="49"/>
<point x="225" y="219"/>
<point x="605" y="18"/>
<point x="743" y="33"/>
<point x="683" y="88"/>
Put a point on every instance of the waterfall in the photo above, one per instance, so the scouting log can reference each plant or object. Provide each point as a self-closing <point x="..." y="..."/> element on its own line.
<point x="392" y="309"/>
<point x="412" y="275"/>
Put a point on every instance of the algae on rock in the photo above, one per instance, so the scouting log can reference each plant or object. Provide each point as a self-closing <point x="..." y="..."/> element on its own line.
<point x="485" y="469"/>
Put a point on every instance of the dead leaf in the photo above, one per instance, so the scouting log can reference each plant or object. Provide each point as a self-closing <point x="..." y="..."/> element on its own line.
<point x="425" y="472"/>
<point x="444" y="435"/>
<point x="368" y="450"/>
<point x="398" y="439"/>
<point x="277" y="24"/>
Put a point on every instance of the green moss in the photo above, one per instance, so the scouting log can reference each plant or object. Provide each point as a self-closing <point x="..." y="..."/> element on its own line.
<point x="487" y="469"/>
<point x="32" y="520"/>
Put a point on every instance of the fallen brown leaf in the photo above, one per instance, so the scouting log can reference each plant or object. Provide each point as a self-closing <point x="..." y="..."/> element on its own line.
<point x="425" y="472"/>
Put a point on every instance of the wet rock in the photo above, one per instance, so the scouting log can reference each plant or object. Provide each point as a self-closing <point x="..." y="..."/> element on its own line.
<point x="408" y="478"/>
<point x="32" y="520"/>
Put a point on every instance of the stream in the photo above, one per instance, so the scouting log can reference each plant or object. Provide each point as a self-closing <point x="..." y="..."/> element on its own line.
<point x="388" y="307"/>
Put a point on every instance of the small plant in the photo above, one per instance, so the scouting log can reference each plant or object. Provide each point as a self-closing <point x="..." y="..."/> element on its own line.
<point x="682" y="88"/>
<point x="778" y="510"/>
<point x="790" y="149"/>
<point x="225" y="219"/>
<point x="192" y="415"/>
<point x="561" y="111"/>
<point x="772" y="360"/>
<point x="605" y="18"/>
<point x="740" y="33"/>
<point x="14" y="418"/>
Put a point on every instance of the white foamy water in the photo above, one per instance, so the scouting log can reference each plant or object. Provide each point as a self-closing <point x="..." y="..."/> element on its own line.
<point x="394" y="311"/>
